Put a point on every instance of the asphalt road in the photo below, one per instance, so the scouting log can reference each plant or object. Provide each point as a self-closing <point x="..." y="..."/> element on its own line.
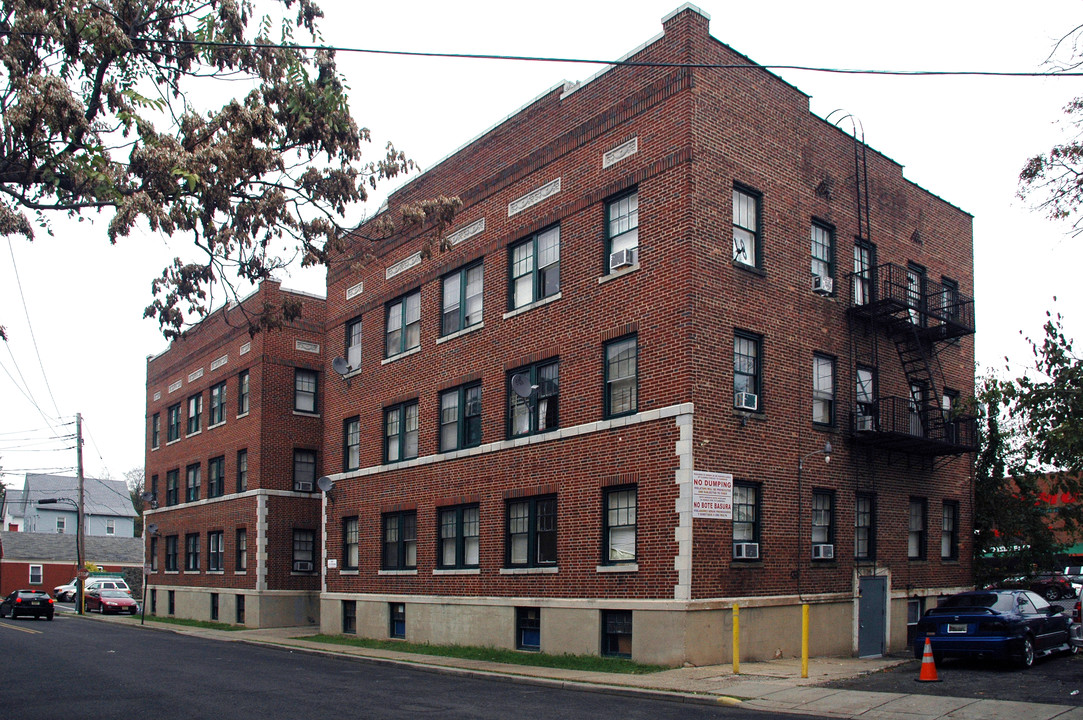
<point x="74" y="667"/>
<point x="1051" y="679"/>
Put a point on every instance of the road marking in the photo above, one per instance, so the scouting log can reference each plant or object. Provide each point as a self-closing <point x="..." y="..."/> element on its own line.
<point x="20" y="629"/>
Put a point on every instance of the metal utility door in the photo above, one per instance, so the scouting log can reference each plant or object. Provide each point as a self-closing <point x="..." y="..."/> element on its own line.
<point x="872" y="616"/>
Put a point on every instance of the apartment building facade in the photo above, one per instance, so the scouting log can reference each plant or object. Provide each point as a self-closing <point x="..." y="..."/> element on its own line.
<point x="234" y="433"/>
<point x="598" y="420"/>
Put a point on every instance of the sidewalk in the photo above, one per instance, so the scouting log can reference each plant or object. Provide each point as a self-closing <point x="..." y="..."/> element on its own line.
<point x="771" y="686"/>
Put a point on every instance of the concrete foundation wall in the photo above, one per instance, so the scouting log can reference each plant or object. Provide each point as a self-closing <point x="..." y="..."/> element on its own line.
<point x="262" y="610"/>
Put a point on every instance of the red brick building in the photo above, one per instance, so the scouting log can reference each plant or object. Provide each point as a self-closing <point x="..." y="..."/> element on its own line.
<point x="595" y="423"/>
<point x="234" y="433"/>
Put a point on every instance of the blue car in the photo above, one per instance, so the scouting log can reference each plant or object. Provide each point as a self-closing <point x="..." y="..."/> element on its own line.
<point x="1016" y="625"/>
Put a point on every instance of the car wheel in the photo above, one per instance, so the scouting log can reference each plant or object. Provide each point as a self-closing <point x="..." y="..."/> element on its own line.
<point x="1026" y="657"/>
<point x="49" y="618"/>
<point x="1051" y="593"/>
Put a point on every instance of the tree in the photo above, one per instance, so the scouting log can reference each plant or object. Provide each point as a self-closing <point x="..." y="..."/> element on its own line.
<point x="106" y="105"/>
<point x="135" y="479"/>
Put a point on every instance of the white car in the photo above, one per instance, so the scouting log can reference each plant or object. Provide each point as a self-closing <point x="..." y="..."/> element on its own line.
<point x="65" y="593"/>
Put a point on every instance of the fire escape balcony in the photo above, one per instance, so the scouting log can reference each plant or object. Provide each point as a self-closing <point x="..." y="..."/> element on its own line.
<point x="899" y="424"/>
<point x="903" y="301"/>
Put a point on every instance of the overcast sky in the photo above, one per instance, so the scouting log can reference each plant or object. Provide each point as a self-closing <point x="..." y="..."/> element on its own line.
<point x="962" y="138"/>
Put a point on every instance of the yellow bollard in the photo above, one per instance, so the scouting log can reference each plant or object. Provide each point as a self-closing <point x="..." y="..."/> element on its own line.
<point x="736" y="640"/>
<point x="804" y="640"/>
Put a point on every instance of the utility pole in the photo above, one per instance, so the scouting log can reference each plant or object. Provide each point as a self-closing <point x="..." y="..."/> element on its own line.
<point x="80" y="522"/>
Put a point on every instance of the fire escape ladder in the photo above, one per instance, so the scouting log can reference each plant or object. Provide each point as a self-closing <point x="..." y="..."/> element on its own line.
<point x="915" y="356"/>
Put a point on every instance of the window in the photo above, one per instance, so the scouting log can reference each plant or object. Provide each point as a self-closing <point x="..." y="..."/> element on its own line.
<point x="171" y="553"/>
<point x="915" y="292"/>
<point x="865" y="397"/>
<point x="172" y="487"/>
<point x="35" y="575"/>
<point x="110" y="527"/>
<point x="153" y="602"/>
<point x="218" y="403"/>
<point x="949" y="531"/>
<point x="349" y="543"/>
<point x="172" y="601"/>
<point x="617" y="633"/>
<point x="535" y="268"/>
<point x="397" y="624"/>
<point x="622" y="231"/>
<point x="242" y="393"/>
<point x="540" y="411"/>
<point x="915" y="546"/>
<point x="400" y="541"/>
<point x="349" y="617"/>
<point x="153" y="554"/>
<point x="746" y="518"/>
<point x="864" y="260"/>
<point x="242" y="550"/>
<point x="216" y="477"/>
<point x="823" y="390"/>
<point x="195" y="410"/>
<point x="304" y="551"/>
<point x="532" y="532"/>
<point x="823" y="518"/>
<point x="304" y="470"/>
<point x="173" y="429"/>
<point x="403" y="324"/>
<point x="353" y="344"/>
<point x="746" y="222"/>
<point x="304" y="390"/>
<point x="917" y="409"/>
<point x="155" y="430"/>
<point x="214" y="606"/>
<point x="400" y="432"/>
<point x="528" y="628"/>
<point x="460" y="417"/>
<point x="462" y="301"/>
<point x="214" y="551"/>
<point x="60" y="525"/>
<point x="191" y="552"/>
<point x="240" y="610"/>
<point x="619" y="525"/>
<point x="823" y="251"/>
<point x="865" y="527"/>
<point x="351" y="443"/>
<point x="459" y="537"/>
<point x="621" y="358"/>
<point x="191" y="487"/>
<point x="949" y="299"/>
<point x="242" y="470"/>
<point x="747" y="380"/>
<point x="154" y="490"/>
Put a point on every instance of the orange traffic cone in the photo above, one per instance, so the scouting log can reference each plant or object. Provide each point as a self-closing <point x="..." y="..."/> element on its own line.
<point x="928" y="665"/>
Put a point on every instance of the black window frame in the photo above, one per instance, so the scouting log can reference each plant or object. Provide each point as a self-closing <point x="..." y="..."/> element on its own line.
<point x="242" y="470"/>
<point x="352" y="351"/>
<point x="299" y="465"/>
<point x="397" y="416"/>
<point x="611" y="521"/>
<point x="191" y="552"/>
<point x="547" y="390"/>
<point x="620" y="234"/>
<point x="172" y="487"/>
<point x="922" y="534"/>
<point x="739" y="354"/>
<point x="610" y="382"/>
<point x="822" y="520"/>
<point x="539" y="277"/>
<point x="868" y="529"/>
<point x="404" y="326"/>
<point x="467" y="417"/>
<point x="155" y="431"/>
<point x="153" y="553"/>
<point x="240" y="550"/>
<point x="304" y="546"/>
<point x="214" y="606"/>
<point x="951" y="535"/>
<point x="821" y="396"/>
<point x="195" y="419"/>
<point x="456" y="519"/>
<point x="215" y="557"/>
<point x="216" y="477"/>
<point x="540" y="538"/>
<point x="349" y="617"/>
<point x="351" y="542"/>
<point x="617" y="625"/>
<point x="459" y="318"/>
<point x="396" y="616"/>
<point x="403" y="544"/>
<point x="172" y="553"/>
<point x="528" y="629"/>
<point x="863" y="286"/>
<point x="217" y="410"/>
<point x="173" y="425"/>
<point x="756" y="197"/>
<point x="243" y="392"/>
<point x="741" y="514"/>
<point x="351" y="443"/>
<point x="192" y="482"/>
<point x="827" y="241"/>
<point x="301" y="391"/>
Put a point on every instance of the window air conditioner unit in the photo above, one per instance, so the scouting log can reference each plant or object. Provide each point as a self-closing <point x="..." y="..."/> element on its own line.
<point x="746" y="401"/>
<point x="622" y="259"/>
<point x="302" y="566"/>
<point x="823" y="552"/>
<point x="304" y="486"/>
<point x="746" y="551"/>
<point x="864" y="423"/>
<point x="823" y="285"/>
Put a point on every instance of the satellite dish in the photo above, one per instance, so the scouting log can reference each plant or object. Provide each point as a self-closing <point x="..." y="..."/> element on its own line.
<point x="146" y="497"/>
<point x="341" y="366"/>
<point x="325" y="484"/>
<point x="152" y="529"/>
<point x="520" y="385"/>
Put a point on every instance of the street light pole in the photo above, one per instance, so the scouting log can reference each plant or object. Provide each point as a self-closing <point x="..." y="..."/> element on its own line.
<point x="79" y="510"/>
<point x="78" y="546"/>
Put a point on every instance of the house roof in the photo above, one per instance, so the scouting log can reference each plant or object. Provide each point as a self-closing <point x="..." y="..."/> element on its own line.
<point x="13" y="502"/>
<point x="61" y="547"/>
<point x="100" y="497"/>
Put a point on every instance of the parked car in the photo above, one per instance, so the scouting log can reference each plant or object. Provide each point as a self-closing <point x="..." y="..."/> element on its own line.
<point x="1002" y="624"/>
<point x="1074" y="573"/>
<point x="106" y="584"/>
<point x="66" y="592"/>
<point x="1051" y="586"/>
<point x="104" y="601"/>
<point x="27" y="602"/>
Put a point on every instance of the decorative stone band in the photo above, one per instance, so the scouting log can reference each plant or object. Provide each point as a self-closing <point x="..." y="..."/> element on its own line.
<point x="534" y="197"/>
<point x="465" y="233"/>
<point x="620" y="152"/>
<point x="403" y="265"/>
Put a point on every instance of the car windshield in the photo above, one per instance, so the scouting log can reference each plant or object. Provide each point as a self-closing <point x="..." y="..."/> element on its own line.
<point x="114" y="594"/>
<point x="1001" y="602"/>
